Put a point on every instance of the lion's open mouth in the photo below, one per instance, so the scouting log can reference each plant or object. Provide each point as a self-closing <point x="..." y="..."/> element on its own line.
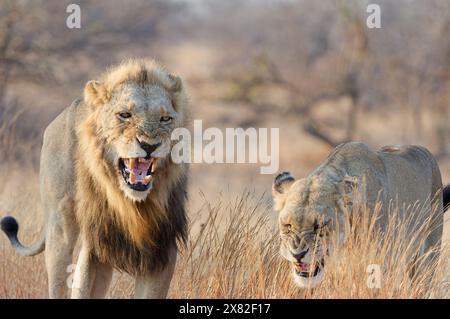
<point x="306" y="270"/>
<point x="138" y="172"/>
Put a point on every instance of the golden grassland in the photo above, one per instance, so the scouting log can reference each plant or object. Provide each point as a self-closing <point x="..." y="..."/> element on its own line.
<point x="232" y="252"/>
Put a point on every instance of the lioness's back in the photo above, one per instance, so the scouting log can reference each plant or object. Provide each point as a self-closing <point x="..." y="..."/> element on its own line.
<point x="406" y="173"/>
<point x="412" y="171"/>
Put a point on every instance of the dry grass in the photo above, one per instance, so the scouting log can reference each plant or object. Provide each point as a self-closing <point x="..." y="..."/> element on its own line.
<point x="237" y="257"/>
<point x="233" y="253"/>
<point x="21" y="277"/>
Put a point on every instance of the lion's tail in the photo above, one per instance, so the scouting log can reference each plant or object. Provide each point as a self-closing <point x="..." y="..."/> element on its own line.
<point x="446" y="196"/>
<point x="10" y="226"/>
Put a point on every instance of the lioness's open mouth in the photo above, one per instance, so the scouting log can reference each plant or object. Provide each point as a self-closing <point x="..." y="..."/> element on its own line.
<point x="304" y="269"/>
<point x="138" y="172"/>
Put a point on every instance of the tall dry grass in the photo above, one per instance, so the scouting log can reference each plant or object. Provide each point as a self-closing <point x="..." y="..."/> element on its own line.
<point x="232" y="252"/>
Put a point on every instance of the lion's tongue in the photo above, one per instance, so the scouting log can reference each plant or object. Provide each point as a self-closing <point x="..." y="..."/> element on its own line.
<point x="138" y="171"/>
<point x="138" y="174"/>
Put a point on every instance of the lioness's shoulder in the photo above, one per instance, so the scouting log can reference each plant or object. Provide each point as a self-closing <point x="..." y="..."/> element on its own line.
<point x="352" y="151"/>
<point x="350" y="157"/>
<point x="354" y="147"/>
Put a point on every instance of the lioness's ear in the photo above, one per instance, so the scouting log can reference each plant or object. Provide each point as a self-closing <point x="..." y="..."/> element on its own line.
<point x="349" y="186"/>
<point x="280" y="187"/>
<point x="95" y="93"/>
<point x="177" y="84"/>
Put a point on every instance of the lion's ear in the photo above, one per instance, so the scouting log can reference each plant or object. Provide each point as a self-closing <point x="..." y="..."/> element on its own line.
<point x="177" y="84"/>
<point x="349" y="187"/>
<point x="280" y="187"/>
<point x="95" y="93"/>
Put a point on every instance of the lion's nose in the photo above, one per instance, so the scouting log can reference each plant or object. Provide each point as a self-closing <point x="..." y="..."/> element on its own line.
<point x="148" y="148"/>
<point x="299" y="256"/>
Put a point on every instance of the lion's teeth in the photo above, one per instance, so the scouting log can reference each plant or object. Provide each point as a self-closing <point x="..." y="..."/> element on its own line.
<point x="155" y="162"/>
<point x="147" y="179"/>
<point x="132" y="163"/>
<point x="132" y="177"/>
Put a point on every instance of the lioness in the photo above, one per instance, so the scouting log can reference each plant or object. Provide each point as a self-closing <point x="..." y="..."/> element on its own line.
<point x="106" y="175"/>
<point x="309" y="206"/>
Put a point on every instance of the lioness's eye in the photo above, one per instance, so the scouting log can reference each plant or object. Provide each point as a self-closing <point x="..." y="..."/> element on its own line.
<point x="316" y="225"/>
<point x="287" y="228"/>
<point x="165" y="119"/>
<point x="124" y="115"/>
<point x="320" y="226"/>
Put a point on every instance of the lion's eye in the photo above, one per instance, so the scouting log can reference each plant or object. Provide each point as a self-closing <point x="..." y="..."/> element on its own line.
<point x="124" y="115"/>
<point x="165" y="119"/>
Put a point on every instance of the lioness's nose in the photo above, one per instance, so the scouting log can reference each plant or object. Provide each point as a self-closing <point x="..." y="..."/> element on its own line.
<point x="149" y="148"/>
<point x="301" y="255"/>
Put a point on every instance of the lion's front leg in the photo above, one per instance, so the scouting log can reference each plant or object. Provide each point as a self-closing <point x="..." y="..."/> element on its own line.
<point x="156" y="285"/>
<point x="92" y="277"/>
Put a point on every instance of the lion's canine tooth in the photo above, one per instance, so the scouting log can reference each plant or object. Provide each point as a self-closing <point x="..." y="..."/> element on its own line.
<point x="132" y="177"/>
<point x="155" y="162"/>
<point x="133" y="163"/>
<point x="147" y="179"/>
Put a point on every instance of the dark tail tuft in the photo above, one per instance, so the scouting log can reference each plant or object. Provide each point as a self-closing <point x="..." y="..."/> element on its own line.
<point x="10" y="226"/>
<point x="446" y="196"/>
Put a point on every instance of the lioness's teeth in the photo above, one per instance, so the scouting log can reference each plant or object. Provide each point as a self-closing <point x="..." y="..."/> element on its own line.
<point x="147" y="179"/>
<point x="155" y="162"/>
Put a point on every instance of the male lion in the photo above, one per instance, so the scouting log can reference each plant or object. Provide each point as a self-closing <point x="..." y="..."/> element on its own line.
<point x="106" y="175"/>
<point x="317" y="204"/>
